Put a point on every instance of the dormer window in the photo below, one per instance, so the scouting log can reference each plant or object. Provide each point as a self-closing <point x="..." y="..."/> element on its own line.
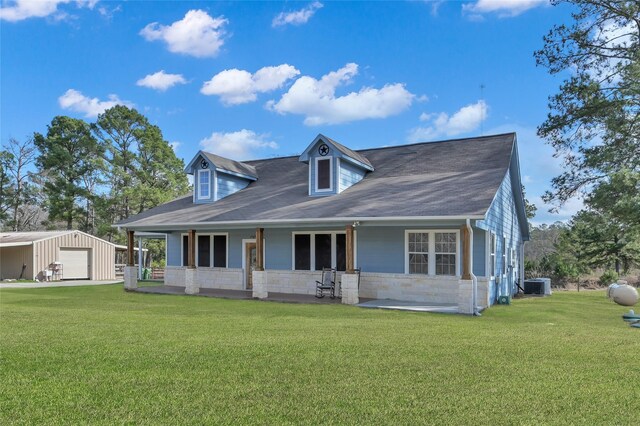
<point x="204" y="184"/>
<point x="324" y="173"/>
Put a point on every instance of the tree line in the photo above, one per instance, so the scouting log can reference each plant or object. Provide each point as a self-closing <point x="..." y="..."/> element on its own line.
<point x="88" y="176"/>
<point x="594" y="125"/>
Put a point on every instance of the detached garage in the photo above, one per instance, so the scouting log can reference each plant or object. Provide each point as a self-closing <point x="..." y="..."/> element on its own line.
<point x="56" y="255"/>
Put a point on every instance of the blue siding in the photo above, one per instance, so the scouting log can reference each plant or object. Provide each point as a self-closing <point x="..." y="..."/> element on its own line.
<point x="312" y="182"/>
<point x="277" y="249"/>
<point x="173" y="249"/>
<point x="224" y="185"/>
<point x="349" y="175"/>
<point x="503" y="221"/>
<point x="479" y="261"/>
<point x="381" y="249"/>
<point x="228" y="184"/>
<point x="343" y="177"/>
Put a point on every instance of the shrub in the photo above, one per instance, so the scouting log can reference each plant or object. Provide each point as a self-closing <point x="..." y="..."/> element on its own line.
<point x="608" y="277"/>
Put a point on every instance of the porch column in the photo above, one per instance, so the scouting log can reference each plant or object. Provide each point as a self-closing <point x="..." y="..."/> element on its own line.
<point x="130" y="257"/>
<point x="259" y="276"/>
<point x="130" y="271"/>
<point x="191" y="241"/>
<point x="140" y="257"/>
<point x="466" y="254"/>
<point x="465" y="285"/>
<point x="191" y="285"/>
<point x="259" y="249"/>
<point x="350" y="258"/>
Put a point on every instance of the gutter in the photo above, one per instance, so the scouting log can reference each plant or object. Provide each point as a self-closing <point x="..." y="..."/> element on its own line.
<point x="313" y="221"/>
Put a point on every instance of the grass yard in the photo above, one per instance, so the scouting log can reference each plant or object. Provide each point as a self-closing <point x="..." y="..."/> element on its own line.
<point x="100" y="355"/>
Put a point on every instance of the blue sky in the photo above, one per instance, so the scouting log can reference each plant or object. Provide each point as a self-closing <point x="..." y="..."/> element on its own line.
<point x="260" y="79"/>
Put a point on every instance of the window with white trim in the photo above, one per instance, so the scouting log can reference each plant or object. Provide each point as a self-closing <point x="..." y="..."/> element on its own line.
<point x="313" y="251"/>
<point x="492" y="254"/>
<point x="204" y="184"/>
<point x="432" y="252"/>
<point x="211" y="250"/>
<point x="418" y="250"/>
<point x="446" y="249"/>
<point x="504" y="255"/>
<point x="324" y="174"/>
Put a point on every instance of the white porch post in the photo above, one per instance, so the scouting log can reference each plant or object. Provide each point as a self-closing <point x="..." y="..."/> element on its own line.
<point x="259" y="285"/>
<point x="350" y="291"/>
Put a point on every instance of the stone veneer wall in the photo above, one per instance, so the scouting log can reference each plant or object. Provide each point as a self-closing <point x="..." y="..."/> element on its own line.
<point x="409" y="287"/>
<point x="483" y="292"/>
<point x="417" y="288"/>
<point x="296" y="282"/>
<point x="373" y="285"/>
<point x="222" y="278"/>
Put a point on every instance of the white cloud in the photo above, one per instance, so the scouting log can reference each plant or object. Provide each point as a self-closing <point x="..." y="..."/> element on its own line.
<point x="175" y="145"/>
<point x="297" y="17"/>
<point x="465" y="120"/>
<point x="504" y="8"/>
<point x="240" y="145"/>
<point x="19" y="10"/>
<point x="316" y="99"/>
<point x="75" y="101"/>
<point x="197" y="34"/>
<point x="161" y="81"/>
<point x="236" y="86"/>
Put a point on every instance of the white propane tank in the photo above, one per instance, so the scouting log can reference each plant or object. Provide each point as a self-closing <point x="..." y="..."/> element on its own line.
<point x="624" y="294"/>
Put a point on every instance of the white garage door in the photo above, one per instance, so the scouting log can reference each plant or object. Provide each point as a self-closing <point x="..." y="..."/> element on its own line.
<point x="75" y="263"/>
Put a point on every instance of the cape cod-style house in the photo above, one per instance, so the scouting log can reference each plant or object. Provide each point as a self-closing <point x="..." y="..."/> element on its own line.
<point x="440" y="222"/>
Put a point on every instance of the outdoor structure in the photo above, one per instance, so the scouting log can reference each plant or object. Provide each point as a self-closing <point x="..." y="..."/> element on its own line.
<point x="55" y="255"/>
<point x="440" y="222"/>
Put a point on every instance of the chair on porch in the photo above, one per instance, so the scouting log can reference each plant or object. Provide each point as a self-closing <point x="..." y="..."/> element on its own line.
<point x="355" y="271"/>
<point x="328" y="283"/>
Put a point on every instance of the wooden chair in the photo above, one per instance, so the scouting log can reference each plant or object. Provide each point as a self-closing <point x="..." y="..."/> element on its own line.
<point x="328" y="283"/>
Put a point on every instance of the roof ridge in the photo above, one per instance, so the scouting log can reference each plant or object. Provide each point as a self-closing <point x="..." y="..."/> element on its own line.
<point x="393" y="146"/>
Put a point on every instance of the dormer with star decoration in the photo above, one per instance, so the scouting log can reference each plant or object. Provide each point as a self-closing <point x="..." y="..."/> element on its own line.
<point x="216" y="177"/>
<point x="333" y="167"/>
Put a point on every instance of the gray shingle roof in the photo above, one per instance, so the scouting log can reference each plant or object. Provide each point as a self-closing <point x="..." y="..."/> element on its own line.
<point x="448" y="178"/>
<point x="231" y="165"/>
<point x="349" y="152"/>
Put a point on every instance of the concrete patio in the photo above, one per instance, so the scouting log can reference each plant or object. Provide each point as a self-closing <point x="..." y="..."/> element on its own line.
<point x="241" y="295"/>
<point x="303" y="298"/>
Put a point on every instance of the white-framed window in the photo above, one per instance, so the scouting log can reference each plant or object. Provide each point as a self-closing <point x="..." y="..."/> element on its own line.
<point x="513" y="258"/>
<point x="312" y="251"/>
<point x="212" y="250"/>
<point x="446" y="253"/>
<point x="492" y="254"/>
<point x="324" y="174"/>
<point x="418" y="250"/>
<point x="504" y="255"/>
<point x="204" y="184"/>
<point x="432" y="252"/>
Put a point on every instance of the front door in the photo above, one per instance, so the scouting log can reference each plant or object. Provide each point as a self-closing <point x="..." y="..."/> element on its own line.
<point x="250" y="263"/>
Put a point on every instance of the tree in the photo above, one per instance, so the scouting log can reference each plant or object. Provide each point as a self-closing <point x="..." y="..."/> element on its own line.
<point x="619" y="195"/>
<point x="68" y="154"/>
<point x="594" y="121"/>
<point x="604" y="242"/>
<point x="17" y="192"/>
<point x="143" y="170"/>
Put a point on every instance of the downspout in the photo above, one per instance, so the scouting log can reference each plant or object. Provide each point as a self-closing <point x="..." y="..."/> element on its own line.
<point x="474" y="279"/>
<point x="521" y="278"/>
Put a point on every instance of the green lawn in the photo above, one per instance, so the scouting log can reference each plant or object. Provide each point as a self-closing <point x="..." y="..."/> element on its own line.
<point x="100" y="355"/>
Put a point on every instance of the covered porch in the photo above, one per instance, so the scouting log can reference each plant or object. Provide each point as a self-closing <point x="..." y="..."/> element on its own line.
<point x="253" y="280"/>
